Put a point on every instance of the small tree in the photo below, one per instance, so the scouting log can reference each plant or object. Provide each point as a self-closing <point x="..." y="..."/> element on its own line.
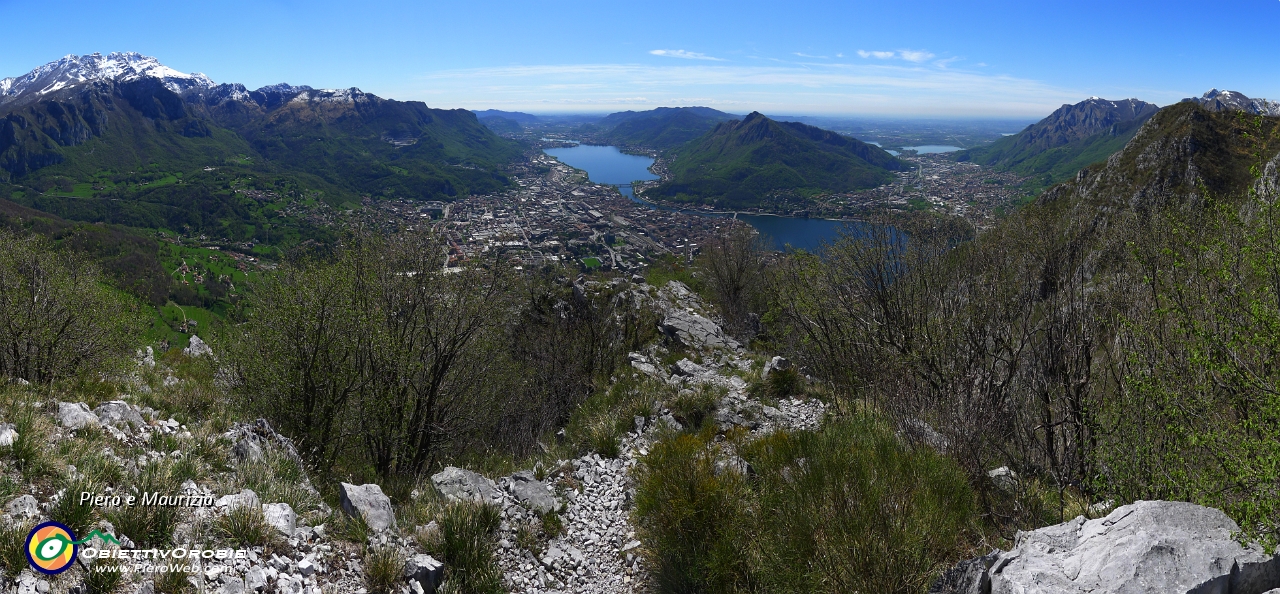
<point x="57" y="319"/>
<point x="734" y="264"/>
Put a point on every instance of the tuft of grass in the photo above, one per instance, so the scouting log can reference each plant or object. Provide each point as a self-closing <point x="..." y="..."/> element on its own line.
<point x="104" y="577"/>
<point x="244" y="527"/>
<point x="599" y="424"/>
<point x="467" y="548"/>
<point x="277" y="479"/>
<point x="780" y="384"/>
<point x="351" y="529"/>
<point x="28" y="450"/>
<point x="150" y="526"/>
<point x="8" y="488"/>
<point x="552" y="525"/>
<point x="13" y="548"/>
<point x="693" y="408"/>
<point x="68" y="509"/>
<point x="383" y="569"/>
<point x="173" y="582"/>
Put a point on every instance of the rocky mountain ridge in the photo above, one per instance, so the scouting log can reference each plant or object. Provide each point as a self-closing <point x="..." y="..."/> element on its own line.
<point x="1215" y="100"/>
<point x="72" y="71"/>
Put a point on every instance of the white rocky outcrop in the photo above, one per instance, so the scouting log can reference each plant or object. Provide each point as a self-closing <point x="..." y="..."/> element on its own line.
<point x="1147" y="547"/>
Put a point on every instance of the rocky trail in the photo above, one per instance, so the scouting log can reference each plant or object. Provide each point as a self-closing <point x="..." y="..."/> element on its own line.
<point x="595" y="547"/>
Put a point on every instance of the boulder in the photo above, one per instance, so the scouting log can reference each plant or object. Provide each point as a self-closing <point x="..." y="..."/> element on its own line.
<point x="256" y="579"/>
<point x="966" y="577"/>
<point x="1145" y="547"/>
<point x="456" y="484"/>
<point x="8" y="434"/>
<point x="1004" y="478"/>
<point x="22" y="508"/>
<point x="775" y="364"/>
<point x="532" y="492"/>
<point x="689" y="368"/>
<point x="247" y="450"/>
<point x="197" y="348"/>
<point x="426" y="571"/>
<point x="281" y="517"/>
<point x="245" y="498"/>
<point x="694" y="331"/>
<point x="368" y="502"/>
<point x="118" y="413"/>
<point x="74" y="415"/>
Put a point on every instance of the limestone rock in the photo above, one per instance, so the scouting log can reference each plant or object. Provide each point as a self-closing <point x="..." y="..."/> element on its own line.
<point x="1004" y="478"/>
<point x="532" y="492"/>
<point x="456" y="484"/>
<point x="368" y="502"/>
<point x="1148" y="547"/>
<point x="255" y="580"/>
<point x="8" y="434"/>
<point x="146" y="357"/>
<point x="118" y="413"/>
<point x="197" y="348"/>
<point x="245" y="498"/>
<point x="74" y="415"/>
<point x="247" y="450"/>
<point x="280" y="516"/>
<point x="426" y="571"/>
<point x="23" y="507"/>
<point x="775" y="364"/>
<point x="966" y="577"/>
<point x="695" y="331"/>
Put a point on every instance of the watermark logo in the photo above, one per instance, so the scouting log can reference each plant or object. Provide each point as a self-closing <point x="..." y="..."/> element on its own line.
<point x="51" y="547"/>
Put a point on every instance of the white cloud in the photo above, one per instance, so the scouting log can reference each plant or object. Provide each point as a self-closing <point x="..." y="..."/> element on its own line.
<point x="840" y="55"/>
<point x="808" y="56"/>
<point x="877" y="55"/>
<point x="679" y="53"/>
<point x="947" y="61"/>
<point x="815" y="88"/>
<point x="914" y="55"/>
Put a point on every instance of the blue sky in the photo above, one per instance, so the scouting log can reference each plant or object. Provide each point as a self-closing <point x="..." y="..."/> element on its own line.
<point x="924" y="58"/>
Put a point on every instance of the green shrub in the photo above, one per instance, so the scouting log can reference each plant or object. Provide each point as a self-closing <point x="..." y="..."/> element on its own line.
<point x="691" y="518"/>
<point x="383" y="569"/>
<point x="467" y="548"/>
<point x="844" y="509"/>
<point x="43" y="292"/>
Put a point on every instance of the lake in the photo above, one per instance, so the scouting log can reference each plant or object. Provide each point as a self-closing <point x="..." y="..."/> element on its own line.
<point x="933" y="148"/>
<point x="608" y="165"/>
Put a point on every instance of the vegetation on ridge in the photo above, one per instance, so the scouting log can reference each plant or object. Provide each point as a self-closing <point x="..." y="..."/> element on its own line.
<point x="749" y="162"/>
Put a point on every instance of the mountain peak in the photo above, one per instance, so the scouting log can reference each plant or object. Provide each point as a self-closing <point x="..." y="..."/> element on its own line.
<point x="72" y="70"/>
<point x="1215" y="100"/>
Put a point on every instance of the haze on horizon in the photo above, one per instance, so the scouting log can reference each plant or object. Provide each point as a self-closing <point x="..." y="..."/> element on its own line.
<point x="934" y="59"/>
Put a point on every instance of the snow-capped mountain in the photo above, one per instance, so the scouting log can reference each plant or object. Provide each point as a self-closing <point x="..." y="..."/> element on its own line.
<point x="72" y="71"/>
<point x="1216" y="100"/>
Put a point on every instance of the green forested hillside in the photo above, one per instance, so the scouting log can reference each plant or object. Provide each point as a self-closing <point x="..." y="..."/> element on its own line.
<point x="662" y="128"/>
<point x="138" y="154"/>
<point x="744" y="163"/>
